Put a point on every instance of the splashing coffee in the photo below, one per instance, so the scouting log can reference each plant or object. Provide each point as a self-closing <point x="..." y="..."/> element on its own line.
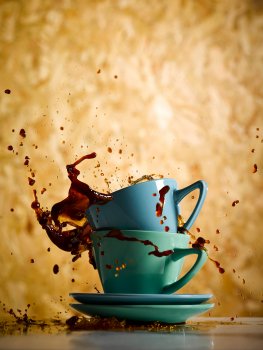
<point x="71" y="211"/>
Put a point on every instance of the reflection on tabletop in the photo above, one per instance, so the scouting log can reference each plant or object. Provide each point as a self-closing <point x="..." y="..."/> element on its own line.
<point x="200" y="333"/>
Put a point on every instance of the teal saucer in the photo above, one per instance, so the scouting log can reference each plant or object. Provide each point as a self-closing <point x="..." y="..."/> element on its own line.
<point x="145" y="313"/>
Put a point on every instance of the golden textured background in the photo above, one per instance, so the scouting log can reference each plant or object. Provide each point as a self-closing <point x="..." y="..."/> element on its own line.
<point x="177" y="86"/>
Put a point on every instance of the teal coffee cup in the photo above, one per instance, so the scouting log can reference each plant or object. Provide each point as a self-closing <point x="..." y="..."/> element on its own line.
<point x="152" y="205"/>
<point x="143" y="262"/>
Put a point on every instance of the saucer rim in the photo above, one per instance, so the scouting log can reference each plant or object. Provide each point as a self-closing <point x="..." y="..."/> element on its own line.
<point x="140" y="299"/>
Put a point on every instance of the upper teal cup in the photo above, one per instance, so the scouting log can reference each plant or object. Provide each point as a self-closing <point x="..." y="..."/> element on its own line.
<point x="152" y="205"/>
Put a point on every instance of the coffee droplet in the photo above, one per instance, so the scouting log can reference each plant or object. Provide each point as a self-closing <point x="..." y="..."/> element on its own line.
<point x="31" y="181"/>
<point x="56" y="269"/>
<point x="22" y="133"/>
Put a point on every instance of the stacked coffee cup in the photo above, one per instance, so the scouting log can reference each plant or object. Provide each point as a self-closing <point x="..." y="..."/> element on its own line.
<point x="137" y="246"/>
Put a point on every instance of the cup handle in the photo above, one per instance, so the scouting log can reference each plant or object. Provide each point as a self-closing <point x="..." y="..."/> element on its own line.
<point x="180" y="194"/>
<point x="180" y="253"/>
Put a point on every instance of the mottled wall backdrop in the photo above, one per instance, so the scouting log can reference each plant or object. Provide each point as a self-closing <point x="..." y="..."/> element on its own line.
<point x="173" y="87"/>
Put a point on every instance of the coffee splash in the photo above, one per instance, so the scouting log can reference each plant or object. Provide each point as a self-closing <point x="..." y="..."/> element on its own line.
<point x="118" y="234"/>
<point x="143" y="178"/>
<point x="198" y="242"/>
<point x="71" y="211"/>
<point x="159" y="206"/>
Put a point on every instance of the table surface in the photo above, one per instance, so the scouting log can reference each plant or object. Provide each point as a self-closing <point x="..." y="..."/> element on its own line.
<point x="200" y="333"/>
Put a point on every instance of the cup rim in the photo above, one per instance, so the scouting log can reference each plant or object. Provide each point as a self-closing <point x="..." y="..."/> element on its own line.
<point x="143" y="183"/>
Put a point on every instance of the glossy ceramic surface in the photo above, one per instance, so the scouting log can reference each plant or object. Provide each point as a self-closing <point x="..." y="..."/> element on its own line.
<point x="134" y="207"/>
<point x="126" y="264"/>
<point x="145" y="313"/>
<point x="140" y="299"/>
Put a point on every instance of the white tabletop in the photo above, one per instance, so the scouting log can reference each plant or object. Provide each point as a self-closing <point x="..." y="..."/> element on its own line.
<point x="200" y="333"/>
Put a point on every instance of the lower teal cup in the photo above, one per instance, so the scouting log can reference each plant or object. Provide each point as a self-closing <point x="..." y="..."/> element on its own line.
<point x="143" y="262"/>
